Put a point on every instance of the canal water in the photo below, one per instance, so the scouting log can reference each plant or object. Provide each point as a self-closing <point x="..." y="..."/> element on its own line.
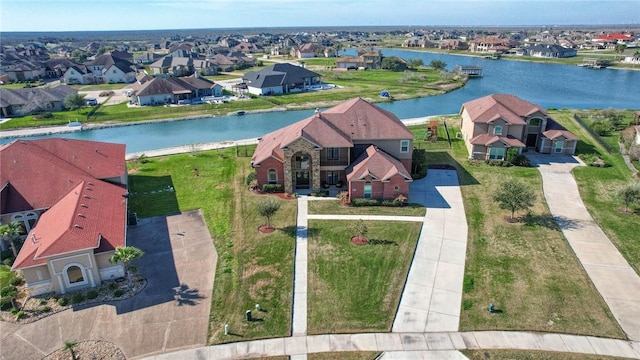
<point x="549" y="85"/>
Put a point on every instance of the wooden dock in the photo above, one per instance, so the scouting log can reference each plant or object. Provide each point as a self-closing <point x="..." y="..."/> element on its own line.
<point x="469" y="70"/>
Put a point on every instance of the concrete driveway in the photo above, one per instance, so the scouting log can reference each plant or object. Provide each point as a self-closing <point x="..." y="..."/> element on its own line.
<point x="170" y="314"/>
<point x="612" y="276"/>
<point x="120" y="96"/>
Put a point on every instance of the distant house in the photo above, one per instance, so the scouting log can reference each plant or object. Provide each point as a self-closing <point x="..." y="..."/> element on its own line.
<point x="24" y="70"/>
<point x="490" y="44"/>
<point x="356" y="144"/>
<point x="171" y="90"/>
<point x="20" y="102"/>
<point x="78" y="74"/>
<point x="495" y="123"/>
<point x="109" y="68"/>
<point x="73" y="221"/>
<point x="307" y="51"/>
<point x="280" y="79"/>
<point x="182" y="66"/>
<point x="550" y="51"/>
<point x="367" y="60"/>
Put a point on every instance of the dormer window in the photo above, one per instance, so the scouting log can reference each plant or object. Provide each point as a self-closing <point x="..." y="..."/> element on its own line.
<point x="497" y="130"/>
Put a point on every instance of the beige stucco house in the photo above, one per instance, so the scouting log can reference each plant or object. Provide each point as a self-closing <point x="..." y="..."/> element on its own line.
<point x="73" y="221"/>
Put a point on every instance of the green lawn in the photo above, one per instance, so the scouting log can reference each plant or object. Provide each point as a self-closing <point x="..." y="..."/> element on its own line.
<point x="597" y="186"/>
<point x="526" y="269"/>
<point x="6" y="275"/>
<point x="345" y="355"/>
<point x="253" y="268"/>
<point x="356" y="288"/>
<point x="333" y="207"/>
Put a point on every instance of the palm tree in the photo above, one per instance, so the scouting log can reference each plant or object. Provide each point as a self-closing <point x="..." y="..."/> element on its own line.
<point x="68" y="346"/>
<point x="127" y="255"/>
<point x="11" y="232"/>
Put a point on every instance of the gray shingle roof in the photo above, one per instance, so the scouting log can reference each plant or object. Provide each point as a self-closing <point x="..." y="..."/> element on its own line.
<point x="278" y="74"/>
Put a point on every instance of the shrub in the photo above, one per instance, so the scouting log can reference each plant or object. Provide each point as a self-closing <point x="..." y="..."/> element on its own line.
<point x="252" y="176"/>
<point x="46" y="309"/>
<point x="320" y="193"/>
<point x="113" y="286"/>
<point x="8" y="261"/>
<point x="272" y="188"/>
<point x="20" y="314"/>
<point x="63" y="301"/>
<point x="5" y="303"/>
<point x="494" y="162"/>
<point x="9" y="290"/>
<point x="106" y="93"/>
<point x="601" y="127"/>
<point x="16" y="281"/>
<point x="364" y="202"/>
<point x="118" y="292"/>
<point x="42" y="302"/>
<point x="44" y="115"/>
<point x="92" y="294"/>
<point x="77" y="298"/>
<point x="521" y="160"/>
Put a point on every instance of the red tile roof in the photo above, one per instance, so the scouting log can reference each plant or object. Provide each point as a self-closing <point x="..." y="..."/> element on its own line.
<point x="339" y="126"/>
<point x="554" y="134"/>
<point x="91" y="216"/>
<point x="62" y="162"/>
<point x="64" y="176"/>
<point x="488" y="140"/>
<point x="377" y="164"/>
<point x="501" y="106"/>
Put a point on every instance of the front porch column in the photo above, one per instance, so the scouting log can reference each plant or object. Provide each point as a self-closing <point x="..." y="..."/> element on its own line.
<point x="63" y="290"/>
<point x="90" y="275"/>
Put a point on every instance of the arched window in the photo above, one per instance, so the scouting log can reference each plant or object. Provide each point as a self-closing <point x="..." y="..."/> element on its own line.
<point x="75" y="275"/>
<point x="367" y="190"/>
<point x="27" y="219"/>
<point x="272" y="176"/>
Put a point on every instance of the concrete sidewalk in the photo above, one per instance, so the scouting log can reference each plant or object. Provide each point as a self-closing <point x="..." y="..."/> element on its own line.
<point x="612" y="276"/>
<point x="433" y="292"/>
<point x="299" y="316"/>
<point x="442" y="345"/>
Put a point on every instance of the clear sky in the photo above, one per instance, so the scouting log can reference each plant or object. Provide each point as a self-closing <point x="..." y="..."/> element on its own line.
<point x="75" y="15"/>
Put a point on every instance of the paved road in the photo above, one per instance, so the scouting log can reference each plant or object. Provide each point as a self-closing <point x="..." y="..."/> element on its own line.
<point x="615" y="280"/>
<point x="170" y="314"/>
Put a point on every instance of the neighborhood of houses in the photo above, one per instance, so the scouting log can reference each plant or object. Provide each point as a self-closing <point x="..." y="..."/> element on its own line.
<point x="73" y="223"/>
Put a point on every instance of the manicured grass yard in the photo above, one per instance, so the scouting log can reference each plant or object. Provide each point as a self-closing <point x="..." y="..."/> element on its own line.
<point x="530" y="355"/>
<point x="527" y="269"/>
<point x="6" y="275"/>
<point x="334" y="207"/>
<point x="597" y="186"/>
<point x="356" y="288"/>
<point x="253" y="268"/>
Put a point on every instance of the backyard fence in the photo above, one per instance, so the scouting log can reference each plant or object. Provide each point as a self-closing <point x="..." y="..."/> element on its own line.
<point x="595" y="135"/>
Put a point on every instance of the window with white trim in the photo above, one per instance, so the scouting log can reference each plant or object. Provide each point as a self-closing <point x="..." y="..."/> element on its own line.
<point x="404" y="146"/>
<point x="497" y="130"/>
<point x="367" y="190"/>
<point x="75" y="275"/>
<point x="272" y="176"/>
<point x="496" y="153"/>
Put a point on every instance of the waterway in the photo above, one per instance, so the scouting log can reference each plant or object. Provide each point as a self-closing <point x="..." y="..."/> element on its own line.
<point x="548" y="85"/>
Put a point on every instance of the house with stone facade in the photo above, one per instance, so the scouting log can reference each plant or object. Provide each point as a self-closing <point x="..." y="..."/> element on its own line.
<point x="70" y="198"/>
<point x="355" y="146"/>
<point x="493" y="124"/>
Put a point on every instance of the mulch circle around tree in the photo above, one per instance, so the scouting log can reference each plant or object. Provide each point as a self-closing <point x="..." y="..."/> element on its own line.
<point x="266" y="229"/>
<point x="510" y="220"/>
<point x="359" y="240"/>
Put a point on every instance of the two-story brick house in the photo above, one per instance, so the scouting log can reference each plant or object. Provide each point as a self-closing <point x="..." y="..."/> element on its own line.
<point x="355" y="144"/>
<point x="494" y="123"/>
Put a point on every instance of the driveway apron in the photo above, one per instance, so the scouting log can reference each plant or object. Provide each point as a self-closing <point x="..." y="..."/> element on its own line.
<point x="170" y="314"/>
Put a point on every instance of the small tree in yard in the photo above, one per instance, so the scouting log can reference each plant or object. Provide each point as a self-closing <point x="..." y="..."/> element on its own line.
<point x="74" y="101"/>
<point x="360" y="229"/>
<point x="629" y="194"/>
<point x="68" y="346"/>
<point x="127" y="255"/>
<point x="514" y="195"/>
<point x="11" y="232"/>
<point x="268" y="208"/>
<point x="438" y="64"/>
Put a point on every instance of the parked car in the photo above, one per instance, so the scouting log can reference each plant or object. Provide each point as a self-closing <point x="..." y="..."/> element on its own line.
<point x="91" y="102"/>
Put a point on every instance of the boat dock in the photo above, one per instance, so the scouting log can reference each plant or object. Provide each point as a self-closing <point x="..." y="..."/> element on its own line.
<point x="469" y="70"/>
